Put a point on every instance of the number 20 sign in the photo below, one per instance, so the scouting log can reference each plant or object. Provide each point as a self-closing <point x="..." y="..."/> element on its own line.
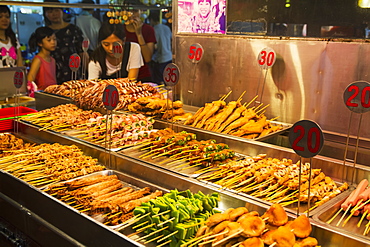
<point x="266" y="58"/>
<point x="357" y="96"/>
<point x="306" y="138"/>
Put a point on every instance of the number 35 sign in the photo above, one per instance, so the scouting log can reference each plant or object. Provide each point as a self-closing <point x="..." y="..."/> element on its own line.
<point x="171" y="74"/>
<point x="306" y="138"/>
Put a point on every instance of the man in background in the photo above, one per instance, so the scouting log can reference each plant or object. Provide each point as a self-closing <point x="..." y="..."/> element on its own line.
<point x="89" y="25"/>
<point x="163" y="49"/>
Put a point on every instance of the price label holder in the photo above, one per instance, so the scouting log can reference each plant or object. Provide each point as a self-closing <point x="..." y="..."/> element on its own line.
<point x="306" y="139"/>
<point x="85" y="56"/>
<point x="266" y="59"/>
<point x="171" y="77"/>
<point x="117" y="53"/>
<point x="19" y="80"/>
<point x="195" y="55"/>
<point x="110" y="101"/>
<point x="356" y="98"/>
<point x="74" y="65"/>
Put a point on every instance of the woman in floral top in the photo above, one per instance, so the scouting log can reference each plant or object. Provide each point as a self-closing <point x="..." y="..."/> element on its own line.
<point x="69" y="41"/>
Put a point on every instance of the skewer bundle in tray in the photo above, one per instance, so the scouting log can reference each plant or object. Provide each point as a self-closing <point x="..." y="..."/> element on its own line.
<point x="356" y="204"/>
<point x="184" y="147"/>
<point x="69" y="88"/>
<point x="164" y="108"/>
<point x="91" y="96"/>
<point x="126" y="129"/>
<point x="239" y="227"/>
<point x="9" y="143"/>
<point x="61" y="117"/>
<point x="102" y="196"/>
<point x="174" y="218"/>
<point x="275" y="180"/>
<point x="234" y="118"/>
<point x="44" y="164"/>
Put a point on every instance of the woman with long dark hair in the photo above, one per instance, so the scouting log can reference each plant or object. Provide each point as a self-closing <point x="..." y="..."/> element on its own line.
<point x="69" y="41"/>
<point x="10" y="53"/>
<point x="105" y="65"/>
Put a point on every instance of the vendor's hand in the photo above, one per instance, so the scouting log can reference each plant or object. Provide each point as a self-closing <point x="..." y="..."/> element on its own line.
<point x="138" y="24"/>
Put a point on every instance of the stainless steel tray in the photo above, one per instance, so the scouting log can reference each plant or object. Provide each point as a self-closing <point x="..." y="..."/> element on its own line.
<point x="179" y="167"/>
<point x="292" y="208"/>
<point x="328" y="210"/>
<point x="126" y="180"/>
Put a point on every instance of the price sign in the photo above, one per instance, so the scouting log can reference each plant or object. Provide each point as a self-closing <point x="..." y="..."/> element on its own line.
<point x="266" y="58"/>
<point x="18" y="78"/>
<point x="110" y="97"/>
<point x="357" y="96"/>
<point x="306" y="138"/>
<point x="74" y="62"/>
<point x="171" y="74"/>
<point x="117" y="50"/>
<point x="195" y="53"/>
<point x="85" y="44"/>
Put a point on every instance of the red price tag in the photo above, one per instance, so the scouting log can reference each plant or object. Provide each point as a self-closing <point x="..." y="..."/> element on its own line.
<point x="117" y="50"/>
<point x="266" y="58"/>
<point x="85" y="44"/>
<point x="306" y="138"/>
<point x="110" y="97"/>
<point x="171" y="74"/>
<point x="195" y="53"/>
<point x="357" y="96"/>
<point x="74" y="62"/>
<point x="18" y="78"/>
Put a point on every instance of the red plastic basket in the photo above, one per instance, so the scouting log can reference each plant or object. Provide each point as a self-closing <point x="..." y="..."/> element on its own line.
<point x="7" y="125"/>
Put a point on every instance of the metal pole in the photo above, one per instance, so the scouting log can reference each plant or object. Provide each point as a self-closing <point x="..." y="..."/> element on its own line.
<point x="346" y="149"/>
<point x="299" y="184"/>
<point x="356" y="149"/>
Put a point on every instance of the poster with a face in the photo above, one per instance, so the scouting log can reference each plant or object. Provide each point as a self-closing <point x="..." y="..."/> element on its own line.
<point x="201" y="16"/>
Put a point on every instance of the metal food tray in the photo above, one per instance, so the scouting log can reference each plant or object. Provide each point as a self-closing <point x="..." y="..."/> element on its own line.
<point x="126" y="180"/>
<point x="292" y="208"/>
<point x="72" y="133"/>
<point x="177" y="167"/>
<point x="330" y="209"/>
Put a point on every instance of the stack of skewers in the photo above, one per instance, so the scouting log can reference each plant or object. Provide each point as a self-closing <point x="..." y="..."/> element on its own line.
<point x="45" y="164"/>
<point x="239" y="227"/>
<point x="62" y="117"/>
<point x="123" y="130"/>
<point x="274" y="180"/>
<point x="234" y="118"/>
<point x="183" y="147"/>
<point x="103" y="196"/>
<point x="356" y="204"/>
<point x="10" y="143"/>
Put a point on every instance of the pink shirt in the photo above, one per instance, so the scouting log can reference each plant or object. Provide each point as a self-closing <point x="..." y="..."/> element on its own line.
<point x="46" y="75"/>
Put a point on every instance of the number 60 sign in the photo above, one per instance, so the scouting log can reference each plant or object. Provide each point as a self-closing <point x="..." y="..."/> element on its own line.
<point x="306" y="138"/>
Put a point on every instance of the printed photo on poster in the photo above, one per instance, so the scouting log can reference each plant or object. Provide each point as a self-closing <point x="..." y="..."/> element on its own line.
<point x="201" y="16"/>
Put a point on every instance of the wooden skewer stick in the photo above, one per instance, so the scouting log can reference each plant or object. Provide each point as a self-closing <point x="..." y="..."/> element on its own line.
<point x="141" y="224"/>
<point x="227" y="238"/>
<point x="152" y="233"/>
<point x="215" y="235"/>
<point x="132" y="221"/>
<point x="206" y="169"/>
<point x="164" y="222"/>
<point x="195" y="241"/>
<point x="164" y="212"/>
<point x="361" y="205"/>
<point x="153" y="239"/>
<point x="169" y="241"/>
<point x="114" y="215"/>
<point x="362" y="218"/>
<point x="179" y="159"/>
<point x="169" y="235"/>
<point x="352" y="212"/>
<point x="227" y="95"/>
<point x="241" y="96"/>
<point x="366" y="228"/>
<point x="263" y="108"/>
<point x="145" y="227"/>
<point x="344" y="215"/>
<point x="288" y="203"/>
<point x="252" y="100"/>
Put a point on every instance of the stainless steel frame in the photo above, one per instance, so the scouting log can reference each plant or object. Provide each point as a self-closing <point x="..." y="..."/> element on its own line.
<point x="84" y="230"/>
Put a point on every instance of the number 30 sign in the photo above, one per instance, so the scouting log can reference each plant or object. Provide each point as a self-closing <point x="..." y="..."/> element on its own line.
<point x="266" y="58"/>
<point x="306" y="138"/>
